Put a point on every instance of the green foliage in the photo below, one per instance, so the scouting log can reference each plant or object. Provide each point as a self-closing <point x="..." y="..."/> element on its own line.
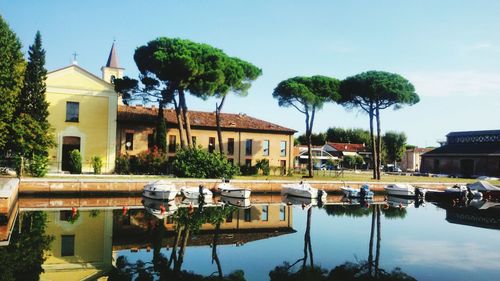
<point x="342" y="135"/>
<point x="38" y="166"/>
<point x="75" y="162"/>
<point x="353" y="161"/>
<point x="249" y="170"/>
<point x="382" y="89"/>
<point x="316" y="139"/>
<point x="161" y="133"/>
<point x="199" y="163"/>
<point x="30" y="137"/>
<point x="263" y="166"/>
<point x="22" y="259"/>
<point x="96" y="162"/>
<point x="347" y="210"/>
<point x="151" y="162"/>
<point x="12" y="67"/>
<point x="122" y="165"/>
<point x="394" y="213"/>
<point x="395" y="146"/>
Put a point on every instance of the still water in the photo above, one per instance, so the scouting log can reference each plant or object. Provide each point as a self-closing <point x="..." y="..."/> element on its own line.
<point x="272" y="239"/>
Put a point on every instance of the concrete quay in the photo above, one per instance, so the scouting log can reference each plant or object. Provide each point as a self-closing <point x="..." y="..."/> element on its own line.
<point x="135" y="186"/>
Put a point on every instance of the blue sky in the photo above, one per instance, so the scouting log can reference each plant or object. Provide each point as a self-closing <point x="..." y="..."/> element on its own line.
<point x="450" y="50"/>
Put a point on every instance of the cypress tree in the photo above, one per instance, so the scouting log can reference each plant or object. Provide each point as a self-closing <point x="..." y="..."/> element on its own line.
<point x="32" y="98"/>
<point x="31" y="134"/>
<point x="12" y="66"/>
<point x="161" y="130"/>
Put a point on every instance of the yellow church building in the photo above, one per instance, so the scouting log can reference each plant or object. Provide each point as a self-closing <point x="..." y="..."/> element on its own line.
<point x="82" y="111"/>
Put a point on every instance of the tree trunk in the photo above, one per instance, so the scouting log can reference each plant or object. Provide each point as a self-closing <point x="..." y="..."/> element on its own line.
<point x="372" y="139"/>
<point x="377" y="255"/>
<point x="309" y="146"/>
<point x="173" y="256"/>
<point x="370" y="250"/>
<point x="180" y="124"/>
<point x="311" y="258"/>
<point x="218" y="109"/>
<point x="185" y="113"/>
<point x="180" y="260"/>
<point x="215" y="257"/>
<point x="379" y="142"/>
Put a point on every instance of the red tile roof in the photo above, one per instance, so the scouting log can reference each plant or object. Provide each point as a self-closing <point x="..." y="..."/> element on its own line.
<point x="200" y="119"/>
<point x="349" y="147"/>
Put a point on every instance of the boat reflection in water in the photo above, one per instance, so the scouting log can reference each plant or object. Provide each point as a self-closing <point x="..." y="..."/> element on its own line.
<point x="476" y="213"/>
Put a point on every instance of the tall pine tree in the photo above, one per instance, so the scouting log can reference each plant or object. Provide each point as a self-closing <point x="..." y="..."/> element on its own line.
<point x="12" y="66"/>
<point x="31" y="133"/>
<point x="32" y="99"/>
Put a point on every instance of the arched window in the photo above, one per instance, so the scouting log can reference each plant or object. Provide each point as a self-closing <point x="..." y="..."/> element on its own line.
<point x="112" y="79"/>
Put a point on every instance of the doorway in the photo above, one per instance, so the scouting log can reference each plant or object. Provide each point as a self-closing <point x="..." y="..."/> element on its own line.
<point x="467" y="167"/>
<point x="283" y="167"/>
<point x="69" y="144"/>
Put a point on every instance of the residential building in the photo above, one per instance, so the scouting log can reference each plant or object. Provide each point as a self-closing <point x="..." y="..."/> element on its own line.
<point x="328" y="152"/>
<point x="245" y="139"/>
<point x="82" y="112"/>
<point x="465" y="154"/>
<point x="412" y="158"/>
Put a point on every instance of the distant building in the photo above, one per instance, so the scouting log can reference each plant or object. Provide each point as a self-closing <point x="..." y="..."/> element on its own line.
<point x="412" y="158"/>
<point x="466" y="154"/>
<point x="245" y="139"/>
<point x="329" y="151"/>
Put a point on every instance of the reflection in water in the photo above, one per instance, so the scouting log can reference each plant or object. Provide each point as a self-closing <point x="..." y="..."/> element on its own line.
<point x="22" y="259"/>
<point x="187" y="221"/>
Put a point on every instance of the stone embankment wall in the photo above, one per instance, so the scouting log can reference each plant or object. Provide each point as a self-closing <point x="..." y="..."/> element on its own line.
<point x="50" y="186"/>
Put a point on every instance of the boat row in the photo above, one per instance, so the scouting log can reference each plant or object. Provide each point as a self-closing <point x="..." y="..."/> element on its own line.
<point x="476" y="190"/>
<point x="165" y="190"/>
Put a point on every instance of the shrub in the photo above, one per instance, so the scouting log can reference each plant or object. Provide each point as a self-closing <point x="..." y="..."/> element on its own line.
<point x="75" y="162"/>
<point x="263" y="165"/>
<point x="249" y="170"/>
<point x="199" y="163"/>
<point x="122" y="165"/>
<point x="39" y="166"/>
<point x="96" y="162"/>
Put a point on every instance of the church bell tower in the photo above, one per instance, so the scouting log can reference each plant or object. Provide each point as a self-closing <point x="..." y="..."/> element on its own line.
<point x="112" y="69"/>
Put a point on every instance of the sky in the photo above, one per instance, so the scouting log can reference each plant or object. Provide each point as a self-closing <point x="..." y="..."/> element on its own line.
<point x="449" y="50"/>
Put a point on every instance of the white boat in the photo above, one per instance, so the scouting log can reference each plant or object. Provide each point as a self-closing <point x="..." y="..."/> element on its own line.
<point x="303" y="189"/>
<point x="160" y="190"/>
<point x="398" y="202"/>
<point x="236" y="202"/>
<point x="194" y="192"/>
<point x="363" y="192"/>
<point x="306" y="203"/>
<point x="400" y="189"/>
<point x="159" y="208"/>
<point x="483" y="186"/>
<point x="228" y="190"/>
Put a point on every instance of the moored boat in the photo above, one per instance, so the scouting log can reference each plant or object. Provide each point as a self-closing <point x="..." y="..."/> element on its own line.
<point x="241" y="203"/>
<point x="228" y="190"/>
<point x="400" y="189"/>
<point x="303" y="189"/>
<point x="363" y="192"/>
<point x="196" y="192"/>
<point x="160" y="190"/>
<point x="159" y="208"/>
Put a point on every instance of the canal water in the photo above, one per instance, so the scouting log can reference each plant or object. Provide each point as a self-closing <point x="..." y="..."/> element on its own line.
<point x="270" y="238"/>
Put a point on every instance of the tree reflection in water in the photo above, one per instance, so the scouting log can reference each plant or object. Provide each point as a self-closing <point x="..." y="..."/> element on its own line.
<point x="22" y="259"/>
<point x="187" y="221"/>
<point x="368" y="270"/>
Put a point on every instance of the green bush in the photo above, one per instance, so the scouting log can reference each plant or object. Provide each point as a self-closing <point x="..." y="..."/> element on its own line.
<point x="249" y="170"/>
<point x="39" y="166"/>
<point x="263" y="165"/>
<point x="96" y="162"/>
<point x="352" y="161"/>
<point x="75" y="162"/>
<point x="122" y="165"/>
<point x="199" y="163"/>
